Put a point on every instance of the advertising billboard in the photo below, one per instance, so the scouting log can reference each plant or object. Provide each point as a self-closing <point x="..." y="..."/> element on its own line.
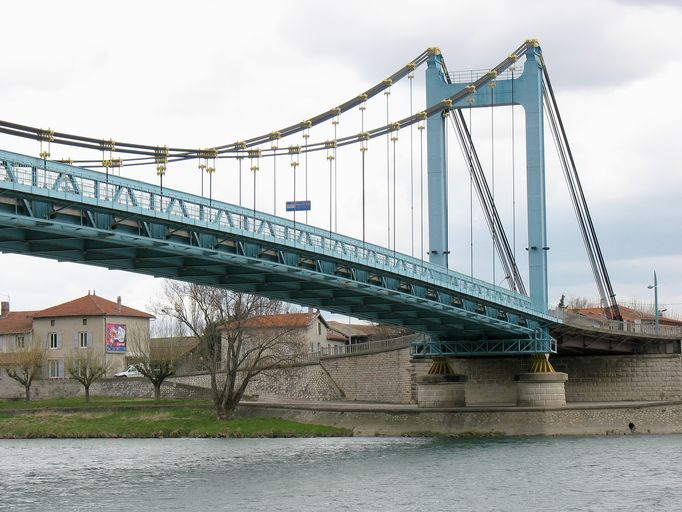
<point x="116" y="338"/>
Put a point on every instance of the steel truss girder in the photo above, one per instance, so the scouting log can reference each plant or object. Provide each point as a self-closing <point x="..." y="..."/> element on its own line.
<point x="99" y="234"/>
<point x="499" y="347"/>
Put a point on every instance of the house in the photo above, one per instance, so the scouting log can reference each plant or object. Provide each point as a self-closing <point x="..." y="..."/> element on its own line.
<point x="88" y="322"/>
<point x="309" y="330"/>
<point x="630" y="316"/>
<point x="361" y="333"/>
<point x="15" y="329"/>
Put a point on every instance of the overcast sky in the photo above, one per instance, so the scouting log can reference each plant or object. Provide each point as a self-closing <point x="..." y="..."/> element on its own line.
<point x="206" y="73"/>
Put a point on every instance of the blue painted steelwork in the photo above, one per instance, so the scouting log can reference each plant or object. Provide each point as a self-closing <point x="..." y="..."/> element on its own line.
<point x="68" y="213"/>
<point x="526" y="90"/>
<point x="540" y="344"/>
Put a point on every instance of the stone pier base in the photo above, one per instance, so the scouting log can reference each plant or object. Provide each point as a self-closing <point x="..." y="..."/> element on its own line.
<point x="441" y="391"/>
<point x="541" y="389"/>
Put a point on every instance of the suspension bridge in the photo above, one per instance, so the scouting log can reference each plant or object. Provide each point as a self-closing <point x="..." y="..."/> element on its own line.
<point x="86" y="211"/>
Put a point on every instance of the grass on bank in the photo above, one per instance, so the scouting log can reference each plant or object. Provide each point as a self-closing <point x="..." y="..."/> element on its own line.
<point x="105" y="417"/>
<point x="95" y="401"/>
<point x="143" y="423"/>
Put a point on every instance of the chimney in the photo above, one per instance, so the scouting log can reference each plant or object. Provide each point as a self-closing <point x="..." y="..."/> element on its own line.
<point x="118" y="301"/>
<point x="4" y="308"/>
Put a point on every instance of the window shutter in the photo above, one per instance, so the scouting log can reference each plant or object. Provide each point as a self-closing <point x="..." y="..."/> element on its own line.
<point x="88" y="337"/>
<point x="60" y="369"/>
<point x="47" y="340"/>
<point x="75" y="340"/>
<point x="59" y="340"/>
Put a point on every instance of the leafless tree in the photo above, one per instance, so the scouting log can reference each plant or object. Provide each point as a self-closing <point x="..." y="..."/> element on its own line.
<point x="230" y="348"/>
<point x="86" y="366"/>
<point x="26" y="365"/>
<point x="581" y="303"/>
<point x="157" y="359"/>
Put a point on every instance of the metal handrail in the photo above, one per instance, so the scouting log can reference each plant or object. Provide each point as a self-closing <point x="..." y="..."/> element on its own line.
<point x="626" y="327"/>
<point x="467" y="76"/>
<point x="370" y="346"/>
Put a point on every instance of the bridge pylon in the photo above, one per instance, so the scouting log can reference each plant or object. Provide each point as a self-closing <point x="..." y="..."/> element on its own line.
<point x="525" y="90"/>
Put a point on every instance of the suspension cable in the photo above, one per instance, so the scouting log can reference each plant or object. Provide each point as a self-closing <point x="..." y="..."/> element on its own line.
<point x="294" y="151"/>
<point x="394" y="139"/>
<point x="420" y="127"/>
<point x="410" y="77"/>
<point x="330" y="158"/>
<point x="471" y="198"/>
<point x="387" y="92"/>
<point x="335" y="122"/>
<point x="306" y="136"/>
<point x="488" y="204"/>
<point x="239" y="159"/>
<point x="254" y="155"/>
<point x="492" y="85"/>
<point x="274" y="146"/>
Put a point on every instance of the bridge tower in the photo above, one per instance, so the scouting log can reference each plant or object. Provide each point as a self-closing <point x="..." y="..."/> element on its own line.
<point x="526" y="90"/>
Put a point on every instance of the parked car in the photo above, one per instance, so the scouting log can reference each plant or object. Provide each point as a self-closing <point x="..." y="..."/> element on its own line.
<point x="131" y="371"/>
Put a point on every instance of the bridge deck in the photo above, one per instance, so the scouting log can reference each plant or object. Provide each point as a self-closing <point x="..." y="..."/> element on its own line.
<point x="68" y="213"/>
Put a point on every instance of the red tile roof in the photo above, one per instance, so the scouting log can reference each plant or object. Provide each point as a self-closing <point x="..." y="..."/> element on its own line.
<point x="628" y="314"/>
<point x="90" y="305"/>
<point x="282" y="321"/>
<point x="17" y="322"/>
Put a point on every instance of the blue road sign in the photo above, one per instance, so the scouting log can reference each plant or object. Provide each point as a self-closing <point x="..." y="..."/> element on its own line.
<point x="298" y="206"/>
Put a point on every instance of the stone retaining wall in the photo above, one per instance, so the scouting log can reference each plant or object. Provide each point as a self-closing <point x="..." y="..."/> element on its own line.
<point x="590" y="378"/>
<point x="390" y="376"/>
<point x="380" y="377"/>
<point x="133" y="388"/>
<point x="306" y="382"/>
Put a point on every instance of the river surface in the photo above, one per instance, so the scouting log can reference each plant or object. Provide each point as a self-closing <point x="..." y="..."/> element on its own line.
<point x="627" y="473"/>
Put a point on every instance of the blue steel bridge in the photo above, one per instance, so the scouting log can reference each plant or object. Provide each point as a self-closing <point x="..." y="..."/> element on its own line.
<point x="82" y="212"/>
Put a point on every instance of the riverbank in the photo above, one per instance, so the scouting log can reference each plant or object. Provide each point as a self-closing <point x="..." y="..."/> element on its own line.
<point x="574" y="419"/>
<point x="115" y="418"/>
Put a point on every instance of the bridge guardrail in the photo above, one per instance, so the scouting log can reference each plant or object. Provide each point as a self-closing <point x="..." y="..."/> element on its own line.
<point x="616" y="326"/>
<point x="370" y="346"/>
<point x="132" y="196"/>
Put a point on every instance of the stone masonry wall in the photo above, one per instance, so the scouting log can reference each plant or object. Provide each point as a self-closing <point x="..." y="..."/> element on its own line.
<point x="590" y="378"/>
<point x="391" y="376"/>
<point x="64" y="388"/>
<point x="307" y="382"/>
<point x="616" y="378"/>
<point x="381" y="377"/>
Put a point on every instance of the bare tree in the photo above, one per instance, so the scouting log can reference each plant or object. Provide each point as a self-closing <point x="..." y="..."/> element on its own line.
<point x="26" y="365"/>
<point x="86" y="366"/>
<point x="581" y="303"/>
<point x="158" y="359"/>
<point x="232" y="346"/>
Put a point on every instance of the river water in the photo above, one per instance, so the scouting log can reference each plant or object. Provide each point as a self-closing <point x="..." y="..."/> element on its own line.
<point x="627" y="473"/>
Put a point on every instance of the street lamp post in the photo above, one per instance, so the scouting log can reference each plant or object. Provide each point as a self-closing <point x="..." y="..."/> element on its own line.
<point x="655" y="288"/>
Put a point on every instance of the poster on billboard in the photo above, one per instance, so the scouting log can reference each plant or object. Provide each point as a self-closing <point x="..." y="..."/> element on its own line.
<point x="116" y="338"/>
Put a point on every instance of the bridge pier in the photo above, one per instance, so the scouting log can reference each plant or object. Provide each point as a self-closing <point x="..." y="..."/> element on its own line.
<point x="441" y="387"/>
<point x="434" y="391"/>
<point x="541" y="386"/>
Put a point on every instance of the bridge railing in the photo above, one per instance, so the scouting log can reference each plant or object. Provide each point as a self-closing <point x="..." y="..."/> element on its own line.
<point x="371" y="346"/>
<point x="647" y="328"/>
<point x="469" y="76"/>
<point x="53" y="179"/>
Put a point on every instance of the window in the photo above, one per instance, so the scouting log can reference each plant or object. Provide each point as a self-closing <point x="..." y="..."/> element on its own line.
<point x="85" y="321"/>
<point x="319" y="328"/>
<point x="83" y="341"/>
<point x="21" y="342"/>
<point x="55" y="369"/>
<point x="52" y="340"/>
<point x="51" y="323"/>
